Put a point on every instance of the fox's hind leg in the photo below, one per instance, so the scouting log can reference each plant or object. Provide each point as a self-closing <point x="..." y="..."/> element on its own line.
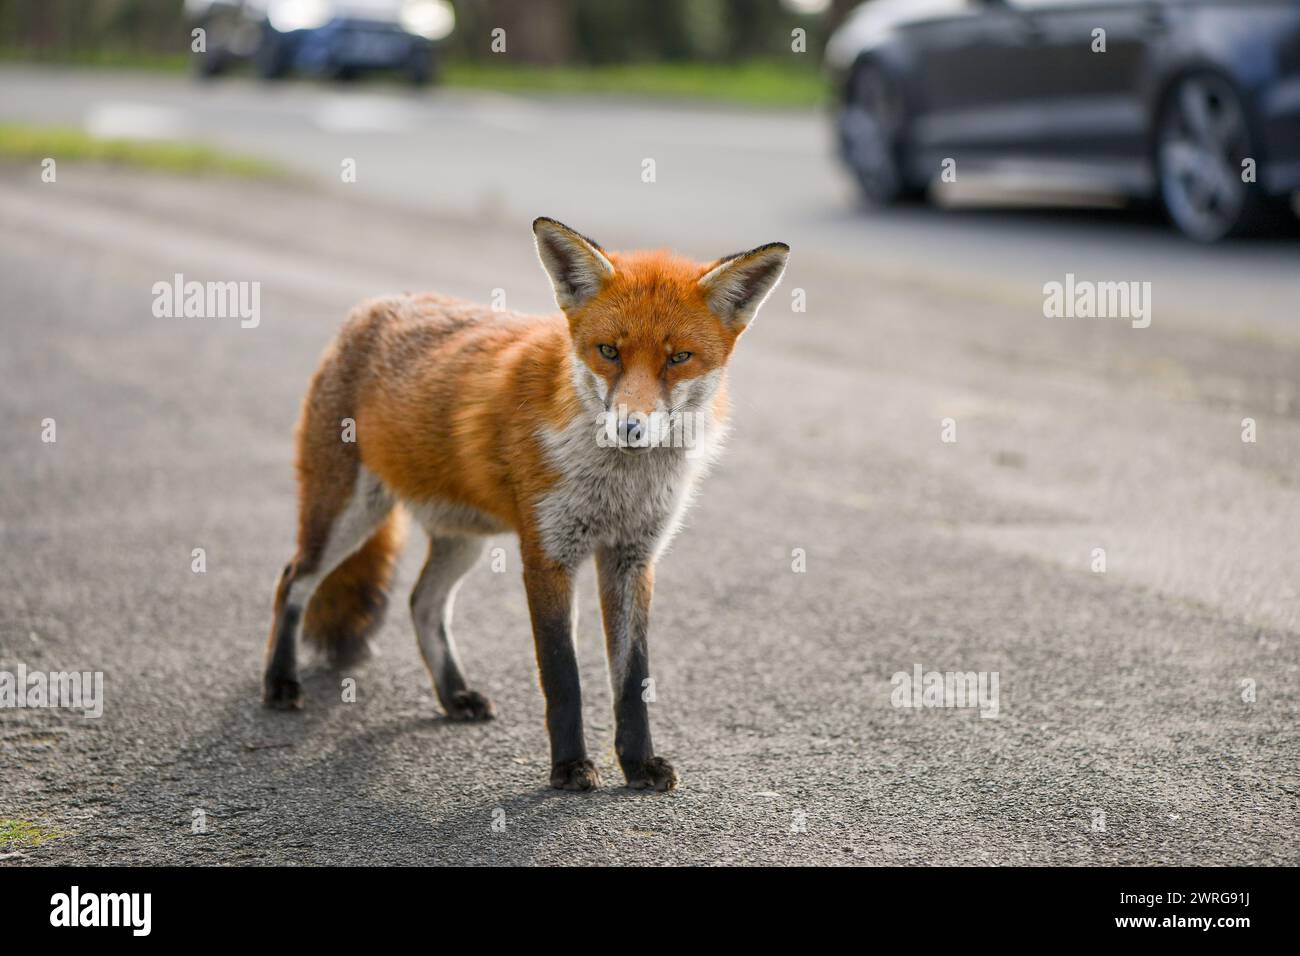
<point x="329" y="533"/>
<point x="280" y="687"/>
<point x="450" y="558"/>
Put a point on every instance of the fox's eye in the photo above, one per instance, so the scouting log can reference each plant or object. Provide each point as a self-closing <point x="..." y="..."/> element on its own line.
<point x="679" y="358"/>
<point x="608" y="351"/>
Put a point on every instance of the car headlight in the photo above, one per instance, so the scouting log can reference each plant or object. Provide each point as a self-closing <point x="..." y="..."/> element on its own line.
<point x="287" y="15"/>
<point x="431" y="19"/>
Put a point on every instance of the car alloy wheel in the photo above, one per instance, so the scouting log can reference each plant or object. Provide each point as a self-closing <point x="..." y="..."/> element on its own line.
<point x="1204" y="139"/>
<point x="271" y="59"/>
<point x="869" y="123"/>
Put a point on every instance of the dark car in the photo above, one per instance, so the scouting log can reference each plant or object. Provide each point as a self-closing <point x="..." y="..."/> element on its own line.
<point x="1195" y="102"/>
<point x="325" y="38"/>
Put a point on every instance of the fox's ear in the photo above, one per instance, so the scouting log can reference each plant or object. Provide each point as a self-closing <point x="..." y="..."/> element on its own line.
<point x="576" y="265"/>
<point x="736" y="286"/>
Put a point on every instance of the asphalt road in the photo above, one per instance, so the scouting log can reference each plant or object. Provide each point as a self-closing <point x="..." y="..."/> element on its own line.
<point x="1121" y="692"/>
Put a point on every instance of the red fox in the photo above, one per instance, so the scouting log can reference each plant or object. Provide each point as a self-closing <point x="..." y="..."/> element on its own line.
<point x="583" y="433"/>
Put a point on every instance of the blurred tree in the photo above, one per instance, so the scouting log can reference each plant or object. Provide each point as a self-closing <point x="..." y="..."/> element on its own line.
<point x="625" y="31"/>
<point x="756" y="28"/>
<point x="536" y="31"/>
<point x="543" y="32"/>
<point x="62" y="27"/>
<point x="839" y="12"/>
<point x="606" y="32"/>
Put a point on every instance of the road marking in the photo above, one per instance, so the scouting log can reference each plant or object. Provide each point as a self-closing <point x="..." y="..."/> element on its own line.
<point x="357" y="114"/>
<point x="123" y="120"/>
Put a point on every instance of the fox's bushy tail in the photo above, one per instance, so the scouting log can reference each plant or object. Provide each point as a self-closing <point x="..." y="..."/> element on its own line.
<point x="349" y="605"/>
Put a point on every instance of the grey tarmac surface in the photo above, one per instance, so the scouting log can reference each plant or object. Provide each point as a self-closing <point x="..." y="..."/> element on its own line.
<point x="1121" y="692"/>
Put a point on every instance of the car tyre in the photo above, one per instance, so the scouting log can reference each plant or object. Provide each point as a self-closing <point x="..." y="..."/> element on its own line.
<point x="210" y="65"/>
<point x="870" y="131"/>
<point x="271" y="60"/>
<point x="420" y="68"/>
<point x="215" y="60"/>
<point x="1204" y="135"/>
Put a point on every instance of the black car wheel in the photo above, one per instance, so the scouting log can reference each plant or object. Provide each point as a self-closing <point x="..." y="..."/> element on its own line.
<point x="1204" y="138"/>
<point x="870" y="126"/>
<point x="271" y="60"/>
<point x="210" y="64"/>
<point x="419" y="68"/>
<point x="215" y="58"/>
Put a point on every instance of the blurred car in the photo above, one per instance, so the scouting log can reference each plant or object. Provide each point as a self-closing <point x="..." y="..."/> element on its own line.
<point x="1195" y="102"/>
<point x="328" y="38"/>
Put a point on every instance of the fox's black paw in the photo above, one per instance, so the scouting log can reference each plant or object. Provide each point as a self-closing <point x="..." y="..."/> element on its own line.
<point x="575" y="775"/>
<point x="653" y="774"/>
<point x="282" y="693"/>
<point x="467" y="705"/>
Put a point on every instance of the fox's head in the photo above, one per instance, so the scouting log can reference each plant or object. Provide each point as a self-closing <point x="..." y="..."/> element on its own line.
<point x="652" y="332"/>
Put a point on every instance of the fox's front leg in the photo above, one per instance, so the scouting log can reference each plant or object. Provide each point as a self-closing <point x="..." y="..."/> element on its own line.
<point x="550" y="604"/>
<point x="626" y="586"/>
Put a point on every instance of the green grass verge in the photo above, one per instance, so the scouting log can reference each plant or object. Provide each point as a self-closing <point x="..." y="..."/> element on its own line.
<point x="757" y="83"/>
<point x="34" y="143"/>
<point x="16" y="834"/>
<point x="106" y="58"/>
<point x="791" y="82"/>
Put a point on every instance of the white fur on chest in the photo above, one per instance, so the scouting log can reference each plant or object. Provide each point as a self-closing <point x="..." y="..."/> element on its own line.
<point x="609" y="497"/>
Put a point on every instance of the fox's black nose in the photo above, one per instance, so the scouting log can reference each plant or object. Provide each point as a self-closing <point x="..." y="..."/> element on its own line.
<point x="630" y="431"/>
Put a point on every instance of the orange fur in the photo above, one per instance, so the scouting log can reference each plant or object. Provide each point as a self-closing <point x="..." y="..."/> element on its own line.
<point x="448" y="397"/>
<point x="479" y="422"/>
<point x="349" y="605"/>
<point x="452" y="394"/>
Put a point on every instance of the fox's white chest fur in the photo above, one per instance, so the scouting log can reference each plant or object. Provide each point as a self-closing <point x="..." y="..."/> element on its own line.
<point x="608" y="497"/>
